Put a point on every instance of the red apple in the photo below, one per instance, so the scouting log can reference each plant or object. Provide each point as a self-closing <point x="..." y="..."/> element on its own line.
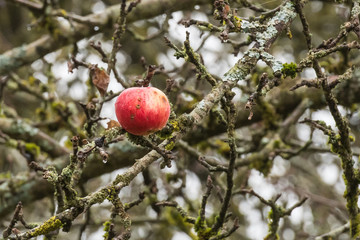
<point x="142" y="110"/>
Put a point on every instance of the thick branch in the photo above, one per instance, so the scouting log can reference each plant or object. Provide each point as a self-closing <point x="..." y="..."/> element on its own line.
<point x="186" y="121"/>
<point x="21" y="130"/>
<point x="120" y="155"/>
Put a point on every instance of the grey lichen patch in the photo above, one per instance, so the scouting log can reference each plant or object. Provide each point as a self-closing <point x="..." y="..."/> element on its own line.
<point x="284" y="16"/>
<point x="287" y="13"/>
<point x="15" y="61"/>
<point x="253" y="53"/>
<point x="6" y="61"/>
<point x="270" y="60"/>
<point x="355" y="10"/>
<point x="124" y="147"/>
<point x="235" y="74"/>
<point x="20" y="127"/>
<point x="247" y="26"/>
<point x="262" y="37"/>
<point x="201" y="104"/>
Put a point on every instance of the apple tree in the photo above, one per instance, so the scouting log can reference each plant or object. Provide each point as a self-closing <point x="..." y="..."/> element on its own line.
<point x="256" y="137"/>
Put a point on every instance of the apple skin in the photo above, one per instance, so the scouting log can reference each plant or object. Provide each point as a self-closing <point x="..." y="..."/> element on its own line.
<point x="142" y="110"/>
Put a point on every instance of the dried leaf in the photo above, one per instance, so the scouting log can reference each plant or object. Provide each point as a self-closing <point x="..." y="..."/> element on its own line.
<point x="112" y="124"/>
<point x="100" y="79"/>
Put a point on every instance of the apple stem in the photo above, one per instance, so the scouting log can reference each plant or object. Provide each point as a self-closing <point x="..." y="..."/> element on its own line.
<point x="145" y="82"/>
